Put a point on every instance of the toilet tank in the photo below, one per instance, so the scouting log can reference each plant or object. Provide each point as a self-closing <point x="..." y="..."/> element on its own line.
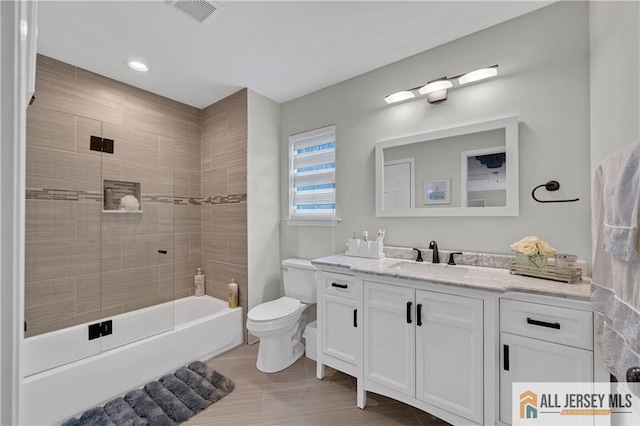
<point x="299" y="278"/>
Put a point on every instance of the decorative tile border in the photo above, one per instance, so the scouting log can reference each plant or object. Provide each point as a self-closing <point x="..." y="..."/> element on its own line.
<point x="79" y="195"/>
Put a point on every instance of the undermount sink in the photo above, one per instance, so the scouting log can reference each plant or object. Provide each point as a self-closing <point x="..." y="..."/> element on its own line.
<point x="430" y="269"/>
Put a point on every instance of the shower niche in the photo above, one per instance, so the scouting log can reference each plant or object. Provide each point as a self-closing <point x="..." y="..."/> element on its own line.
<point x="115" y="191"/>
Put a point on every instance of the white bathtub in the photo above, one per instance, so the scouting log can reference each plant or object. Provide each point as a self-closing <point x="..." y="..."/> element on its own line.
<point x="65" y="373"/>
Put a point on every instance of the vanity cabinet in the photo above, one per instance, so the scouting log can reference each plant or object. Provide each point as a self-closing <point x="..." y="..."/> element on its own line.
<point x="424" y="345"/>
<point x="340" y="315"/>
<point x="542" y="343"/>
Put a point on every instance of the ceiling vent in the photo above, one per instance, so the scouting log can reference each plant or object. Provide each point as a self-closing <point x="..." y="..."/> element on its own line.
<point x="200" y="10"/>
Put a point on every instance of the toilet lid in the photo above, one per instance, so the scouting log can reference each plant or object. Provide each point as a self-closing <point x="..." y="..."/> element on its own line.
<point x="275" y="309"/>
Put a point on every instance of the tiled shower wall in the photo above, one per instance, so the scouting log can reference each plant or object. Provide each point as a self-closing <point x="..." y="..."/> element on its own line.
<point x="224" y="195"/>
<point x="82" y="264"/>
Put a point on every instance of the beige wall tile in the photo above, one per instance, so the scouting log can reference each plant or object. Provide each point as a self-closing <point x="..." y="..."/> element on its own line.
<point x="128" y="285"/>
<point x="154" y="180"/>
<point x="181" y="182"/>
<point x="223" y="272"/>
<point x="111" y="254"/>
<point x="165" y="278"/>
<point x="115" y="86"/>
<point x="49" y="293"/>
<point x="229" y="218"/>
<point x="238" y="249"/>
<point x="229" y="149"/>
<point x="155" y="118"/>
<point x="237" y="177"/>
<point x="61" y="170"/>
<point x="50" y="129"/>
<point x="49" y="259"/>
<point x="187" y="109"/>
<point x="123" y="225"/>
<point x="215" y="247"/>
<point x="166" y="217"/>
<point x="46" y="219"/>
<point x="111" y="168"/>
<point x="62" y="92"/>
<point x="87" y="294"/>
<point x="185" y="292"/>
<point x="142" y="250"/>
<point x="85" y="128"/>
<point x="88" y="215"/>
<point x="206" y="152"/>
<point x="195" y="184"/>
<point x="206" y="219"/>
<point x="187" y="154"/>
<point x="52" y="68"/>
<point x="132" y="145"/>
<point x="195" y="245"/>
<point x="181" y="247"/>
<point x="166" y="152"/>
<point x="184" y="273"/>
<point x="186" y="218"/>
<point x="214" y="182"/>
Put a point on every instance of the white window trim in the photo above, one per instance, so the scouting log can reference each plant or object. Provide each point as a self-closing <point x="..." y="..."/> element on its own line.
<point x="311" y="220"/>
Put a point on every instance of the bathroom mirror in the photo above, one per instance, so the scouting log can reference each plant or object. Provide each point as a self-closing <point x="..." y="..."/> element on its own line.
<point x="470" y="170"/>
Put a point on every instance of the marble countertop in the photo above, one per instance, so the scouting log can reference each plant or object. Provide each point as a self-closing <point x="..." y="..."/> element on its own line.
<point x="477" y="277"/>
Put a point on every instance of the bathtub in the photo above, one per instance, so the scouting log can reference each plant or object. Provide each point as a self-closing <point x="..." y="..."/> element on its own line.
<point x="65" y="373"/>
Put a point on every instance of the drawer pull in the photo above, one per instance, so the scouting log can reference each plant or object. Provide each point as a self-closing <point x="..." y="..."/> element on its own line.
<point x="355" y="318"/>
<point x="339" y="285"/>
<point x="419" y="314"/>
<point x="409" y="320"/>
<point x="555" y="325"/>
<point x="505" y="357"/>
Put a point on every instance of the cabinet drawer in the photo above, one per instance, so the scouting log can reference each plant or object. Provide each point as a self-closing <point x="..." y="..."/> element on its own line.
<point x="339" y="285"/>
<point x="545" y="322"/>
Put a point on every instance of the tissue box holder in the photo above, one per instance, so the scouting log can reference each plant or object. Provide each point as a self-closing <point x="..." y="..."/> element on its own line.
<point x="360" y="248"/>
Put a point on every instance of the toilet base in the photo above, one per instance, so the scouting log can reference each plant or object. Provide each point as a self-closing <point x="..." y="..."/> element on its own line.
<point x="268" y="362"/>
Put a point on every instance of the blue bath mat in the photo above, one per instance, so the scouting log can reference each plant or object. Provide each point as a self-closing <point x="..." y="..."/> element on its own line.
<point x="168" y="401"/>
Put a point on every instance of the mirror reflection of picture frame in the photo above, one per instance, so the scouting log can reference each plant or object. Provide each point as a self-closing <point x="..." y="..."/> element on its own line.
<point x="437" y="191"/>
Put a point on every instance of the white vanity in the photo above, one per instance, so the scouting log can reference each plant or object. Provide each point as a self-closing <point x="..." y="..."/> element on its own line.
<point x="450" y="340"/>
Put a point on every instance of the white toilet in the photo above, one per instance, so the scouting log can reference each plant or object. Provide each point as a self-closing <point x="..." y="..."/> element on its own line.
<point x="279" y="324"/>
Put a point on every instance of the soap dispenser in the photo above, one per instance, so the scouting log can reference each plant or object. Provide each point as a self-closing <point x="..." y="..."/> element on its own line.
<point x="199" y="282"/>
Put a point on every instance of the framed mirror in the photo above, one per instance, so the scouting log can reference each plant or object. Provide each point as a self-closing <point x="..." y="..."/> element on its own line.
<point x="470" y="170"/>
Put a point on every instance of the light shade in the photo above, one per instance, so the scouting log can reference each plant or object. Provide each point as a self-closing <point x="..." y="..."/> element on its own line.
<point x="478" y="75"/>
<point x="435" y="86"/>
<point x="399" y="96"/>
<point x="137" y="65"/>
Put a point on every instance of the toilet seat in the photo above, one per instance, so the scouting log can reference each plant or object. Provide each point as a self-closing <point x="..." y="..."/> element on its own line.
<point x="275" y="310"/>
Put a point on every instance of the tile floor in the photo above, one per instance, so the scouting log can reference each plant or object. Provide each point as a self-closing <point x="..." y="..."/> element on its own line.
<point x="295" y="397"/>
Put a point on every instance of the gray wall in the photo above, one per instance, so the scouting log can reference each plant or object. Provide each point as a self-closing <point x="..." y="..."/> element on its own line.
<point x="263" y="195"/>
<point x="544" y="79"/>
<point x="615" y="76"/>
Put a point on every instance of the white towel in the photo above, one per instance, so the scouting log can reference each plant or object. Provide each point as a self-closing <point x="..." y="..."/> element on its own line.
<point x="615" y="289"/>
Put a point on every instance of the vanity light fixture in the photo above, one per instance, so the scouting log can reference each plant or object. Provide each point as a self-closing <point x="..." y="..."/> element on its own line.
<point x="137" y="65"/>
<point x="399" y="96"/>
<point x="436" y="90"/>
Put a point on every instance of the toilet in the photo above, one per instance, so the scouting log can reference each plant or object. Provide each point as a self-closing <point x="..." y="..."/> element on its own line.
<point x="279" y="324"/>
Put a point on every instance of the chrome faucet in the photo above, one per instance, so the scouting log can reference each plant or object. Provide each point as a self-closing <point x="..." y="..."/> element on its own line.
<point x="436" y="257"/>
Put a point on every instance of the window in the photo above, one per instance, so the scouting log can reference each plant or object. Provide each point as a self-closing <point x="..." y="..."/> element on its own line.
<point x="312" y="174"/>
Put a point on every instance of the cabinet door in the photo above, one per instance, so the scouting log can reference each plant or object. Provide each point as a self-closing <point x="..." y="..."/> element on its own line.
<point x="449" y="357"/>
<point x="339" y="332"/>
<point x="389" y="340"/>
<point x="532" y="360"/>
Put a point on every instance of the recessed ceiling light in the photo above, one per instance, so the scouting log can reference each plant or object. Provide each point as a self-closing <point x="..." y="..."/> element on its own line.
<point x="137" y="65"/>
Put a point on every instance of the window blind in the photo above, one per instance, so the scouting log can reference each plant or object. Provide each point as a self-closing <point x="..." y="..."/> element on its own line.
<point x="312" y="173"/>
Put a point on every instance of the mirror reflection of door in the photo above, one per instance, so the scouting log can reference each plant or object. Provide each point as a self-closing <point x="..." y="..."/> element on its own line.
<point x="398" y="184"/>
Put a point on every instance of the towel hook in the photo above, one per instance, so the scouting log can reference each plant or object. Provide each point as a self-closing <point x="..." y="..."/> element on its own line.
<point x="552" y="185"/>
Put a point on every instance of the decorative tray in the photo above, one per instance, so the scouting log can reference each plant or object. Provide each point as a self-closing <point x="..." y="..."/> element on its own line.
<point x="549" y="273"/>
